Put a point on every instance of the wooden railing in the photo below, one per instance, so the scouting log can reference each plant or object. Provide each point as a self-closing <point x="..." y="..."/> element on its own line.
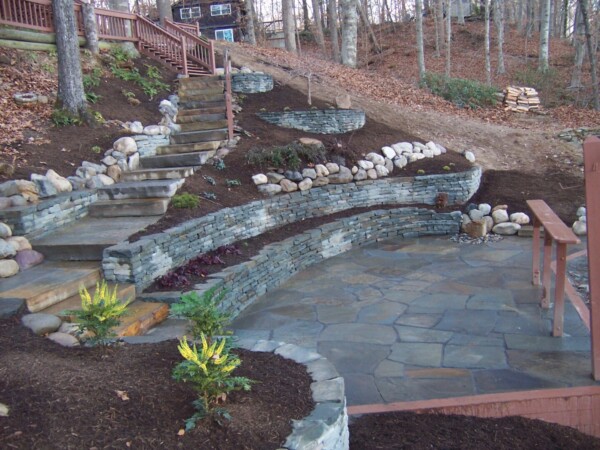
<point x="199" y="50"/>
<point x="33" y="14"/>
<point x="189" y="27"/>
<point x="228" y="96"/>
<point x="115" y="25"/>
<point x="161" y="41"/>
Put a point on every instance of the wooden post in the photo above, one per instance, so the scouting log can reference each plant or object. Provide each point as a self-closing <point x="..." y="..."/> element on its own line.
<point x="591" y="158"/>
<point x="547" y="271"/>
<point x="184" y="56"/>
<point x="559" y="289"/>
<point x="535" y="266"/>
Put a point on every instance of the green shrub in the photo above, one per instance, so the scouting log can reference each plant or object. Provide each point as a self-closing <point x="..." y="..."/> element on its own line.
<point x="461" y="92"/>
<point x="92" y="79"/>
<point x="185" y="200"/>
<point x="62" y="118"/>
<point x="209" y="369"/>
<point x="96" y="149"/>
<point x="99" y="313"/>
<point x="233" y="183"/>
<point x="289" y="156"/>
<point x="202" y="312"/>
<point x="92" y="97"/>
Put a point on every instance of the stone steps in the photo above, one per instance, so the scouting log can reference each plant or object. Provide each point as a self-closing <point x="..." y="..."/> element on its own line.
<point x="192" y="159"/>
<point x="199" y="136"/>
<point x="200" y="111"/>
<point x="168" y="173"/>
<point x="141" y="189"/>
<point x="201" y="117"/>
<point x="141" y="317"/>
<point x="187" y="148"/>
<point x="201" y="93"/>
<point x="203" y="125"/>
<point x="199" y="83"/>
<point x="131" y="207"/>
<point x="202" y="104"/>
<point x="50" y="283"/>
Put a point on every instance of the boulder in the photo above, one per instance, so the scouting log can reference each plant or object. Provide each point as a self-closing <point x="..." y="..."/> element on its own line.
<point x="41" y="323"/>
<point x="125" y="145"/>
<point x="476" y="214"/>
<point x="412" y="157"/>
<point x="489" y="223"/>
<point x="5" y="231"/>
<point x="8" y="268"/>
<point x="476" y="228"/>
<point x="389" y="152"/>
<point x="309" y="173"/>
<point x="581" y="211"/>
<point x="269" y="189"/>
<point x="288" y="185"/>
<point x="402" y="147"/>
<point x="136" y="126"/>
<point x="152" y="130"/>
<point x="360" y="175"/>
<point x="381" y="171"/>
<point x="274" y="177"/>
<point x="428" y="153"/>
<point x="366" y="165"/>
<point x="27" y="189"/>
<point x="114" y="172"/>
<point x="389" y="165"/>
<point x="400" y="162"/>
<point x="520" y="218"/>
<point x="78" y="183"/>
<point x="375" y="158"/>
<point x="497" y="207"/>
<point x="343" y="101"/>
<point x="332" y="167"/>
<point x="64" y="339"/>
<point x="305" y="184"/>
<point x="293" y="175"/>
<point x="506" y="228"/>
<point x="133" y="162"/>
<point x="10" y="307"/>
<point x="343" y="176"/>
<point x="109" y="161"/>
<point x="44" y="187"/>
<point x="310" y="142"/>
<point x="19" y="243"/>
<point x="484" y="208"/>
<point x="321" y="170"/>
<point x="470" y="156"/>
<point x="260" y="178"/>
<point x="6" y="249"/>
<point x="28" y="258"/>
<point x="372" y="174"/>
<point x="5" y="203"/>
<point x="60" y="183"/>
<point x="320" y="181"/>
<point x="500" y="216"/>
<point x="98" y="168"/>
<point x="580" y="228"/>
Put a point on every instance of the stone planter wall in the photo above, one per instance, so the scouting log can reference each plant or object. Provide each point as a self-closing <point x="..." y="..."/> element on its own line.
<point x="251" y="83"/>
<point x="36" y="220"/>
<point x="152" y="256"/>
<point x="328" y="121"/>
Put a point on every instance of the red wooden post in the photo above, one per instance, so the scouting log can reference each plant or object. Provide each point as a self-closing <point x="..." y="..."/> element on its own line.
<point x="559" y="289"/>
<point x="591" y="158"/>
<point x="535" y="265"/>
<point x="184" y="55"/>
<point x="547" y="271"/>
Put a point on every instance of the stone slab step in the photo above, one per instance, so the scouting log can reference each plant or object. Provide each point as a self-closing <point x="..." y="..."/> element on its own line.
<point x="199" y="136"/>
<point x="86" y="239"/>
<point x="124" y="293"/>
<point x="168" y="173"/>
<point x="200" y="118"/>
<point x="197" y="104"/>
<point x="141" y="189"/>
<point x="198" y="93"/>
<point x="141" y="317"/>
<point x="193" y="159"/>
<point x="50" y="282"/>
<point x="221" y="109"/>
<point x="187" y="148"/>
<point x="200" y="82"/>
<point x="130" y="207"/>
<point x="198" y="126"/>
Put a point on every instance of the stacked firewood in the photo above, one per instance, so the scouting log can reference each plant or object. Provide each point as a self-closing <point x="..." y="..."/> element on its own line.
<point x="521" y="99"/>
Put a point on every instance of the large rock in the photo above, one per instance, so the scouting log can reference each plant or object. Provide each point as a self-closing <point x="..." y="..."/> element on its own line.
<point x="274" y="177"/>
<point x="5" y="231"/>
<point x="98" y="168"/>
<point x="320" y="181"/>
<point x="6" y="249"/>
<point x="476" y="228"/>
<point x="64" y="339"/>
<point x="343" y="101"/>
<point x="60" y="183"/>
<point x="332" y="167"/>
<point x="269" y="189"/>
<point x="400" y="162"/>
<point x="18" y="200"/>
<point x="10" y="307"/>
<point x="28" y="258"/>
<point x="109" y="160"/>
<point x="476" y="214"/>
<point x="288" y="185"/>
<point x="321" y="170"/>
<point x="343" y="176"/>
<point x="389" y="152"/>
<point x="375" y="158"/>
<point x="5" y="203"/>
<point x="364" y="164"/>
<point x="520" y="218"/>
<point x="125" y="145"/>
<point x="485" y="208"/>
<point x="260" y="178"/>
<point x="114" y="172"/>
<point x="152" y="130"/>
<point x="293" y="175"/>
<point x="372" y="174"/>
<point x="310" y="142"/>
<point x="580" y="228"/>
<point x="27" y="189"/>
<point x="305" y="184"/>
<point x="309" y="173"/>
<point x="402" y="147"/>
<point x="360" y="175"/>
<point x="506" y="228"/>
<point x="44" y="186"/>
<point x="470" y="156"/>
<point x="19" y="243"/>
<point x="41" y="323"/>
<point x="500" y="216"/>
<point x="8" y="268"/>
<point x="381" y="171"/>
<point x="389" y="165"/>
<point x="133" y="162"/>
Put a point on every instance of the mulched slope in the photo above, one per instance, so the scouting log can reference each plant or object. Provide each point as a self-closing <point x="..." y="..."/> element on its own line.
<point x="66" y="398"/>
<point x="431" y="431"/>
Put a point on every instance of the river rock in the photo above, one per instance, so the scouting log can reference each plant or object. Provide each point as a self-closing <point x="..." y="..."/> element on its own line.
<point x="506" y="228"/>
<point x="332" y="168"/>
<point x="343" y="101"/>
<point x="484" y="208"/>
<point x="428" y="153"/>
<point x="269" y="189"/>
<point x="98" y="168"/>
<point x="580" y="228"/>
<point x="360" y="175"/>
<point x="476" y="214"/>
<point x="60" y="183"/>
<point x="305" y="184"/>
<point x="114" y="172"/>
<point x="375" y="158"/>
<point x="125" y="145"/>
<point x="293" y="175"/>
<point x="476" y="228"/>
<point x="389" y="152"/>
<point x="19" y="243"/>
<point x="321" y="170"/>
<point x="27" y="189"/>
<point x="109" y="160"/>
<point x="489" y="223"/>
<point x="136" y="126"/>
<point x="470" y="156"/>
<point x="309" y="173"/>
<point x="274" y="177"/>
<point x="6" y="249"/>
<point x="64" y="339"/>
<point x="381" y="171"/>
<point x="8" y="268"/>
<point x="520" y="218"/>
<point x="310" y="142"/>
<point x="288" y="185"/>
<point x="389" y="165"/>
<point x="320" y="181"/>
<point x="260" y="178"/>
<point x="401" y="162"/>
<point x="343" y="176"/>
<point x="152" y="130"/>
<point x="402" y="147"/>
<point x="366" y="165"/>
<point x="581" y="211"/>
<point x="133" y="162"/>
<point x="5" y="231"/>
<point x="5" y="203"/>
<point x="41" y="323"/>
<point x="44" y="187"/>
<point x="28" y="258"/>
<point x="78" y="183"/>
<point x="372" y="174"/>
<point x="497" y="207"/>
<point x="500" y="216"/>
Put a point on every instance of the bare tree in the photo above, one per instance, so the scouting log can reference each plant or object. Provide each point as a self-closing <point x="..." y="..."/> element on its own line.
<point x="250" y="18"/>
<point x="369" y="28"/>
<point x="318" y="25"/>
<point x="90" y="27"/>
<point x="499" y="22"/>
<point x="349" y="32"/>
<point x="591" y="53"/>
<point x="71" y="96"/>
<point x="448" y="37"/>
<point x="333" y="29"/>
<point x="543" y="64"/>
<point x="289" y="25"/>
<point x="164" y="10"/>
<point x="488" y="65"/>
<point x="420" y="49"/>
<point x="579" y="43"/>
<point x="438" y="20"/>
<point x="460" y="12"/>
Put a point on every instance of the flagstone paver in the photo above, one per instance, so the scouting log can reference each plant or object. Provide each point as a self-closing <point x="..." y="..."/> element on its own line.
<point x="425" y="318"/>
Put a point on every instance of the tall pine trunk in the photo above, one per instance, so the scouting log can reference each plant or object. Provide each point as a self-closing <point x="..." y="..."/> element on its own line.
<point x="333" y="29"/>
<point x="460" y="12"/>
<point x="420" y="48"/>
<point x="499" y="22"/>
<point x="289" y="26"/>
<point x="71" y="96"/>
<point x="164" y="10"/>
<point x="250" y="20"/>
<point x="349" y="32"/>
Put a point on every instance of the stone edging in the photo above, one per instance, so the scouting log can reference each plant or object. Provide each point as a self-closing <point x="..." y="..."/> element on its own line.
<point x="251" y="83"/>
<point x="327" y="121"/>
<point x="327" y="426"/>
<point x="152" y="256"/>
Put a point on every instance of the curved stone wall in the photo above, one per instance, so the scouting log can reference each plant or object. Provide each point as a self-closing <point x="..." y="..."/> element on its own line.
<point x="251" y="83"/>
<point x="327" y="121"/>
<point x="152" y="256"/>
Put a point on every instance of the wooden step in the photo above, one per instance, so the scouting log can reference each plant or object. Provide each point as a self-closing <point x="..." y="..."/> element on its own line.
<point x="200" y="104"/>
<point x="124" y="292"/>
<point x="50" y="282"/>
<point x="170" y="173"/>
<point x="141" y="316"/>
<point x="202" y="82"/>
<point x="198" y="126"/>
<point x="131" y="207"/>
<point x="187" y="148"/>
<point x="200" y="118"/>
<point x="199" y="136"/>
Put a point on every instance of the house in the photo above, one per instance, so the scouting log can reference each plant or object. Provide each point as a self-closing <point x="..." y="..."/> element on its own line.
<point x="217" y="20"/>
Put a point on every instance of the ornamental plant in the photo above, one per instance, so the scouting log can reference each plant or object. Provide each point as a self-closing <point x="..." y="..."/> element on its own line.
<point x="203" y="312"/>
<point x="209" y="370"/>
<point x="100" y="313"/>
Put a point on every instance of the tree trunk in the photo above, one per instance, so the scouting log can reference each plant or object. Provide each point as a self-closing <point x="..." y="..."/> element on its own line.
<point x="460" y="12"/>
<point x="318" y="26"/>
<point x="448" y="37"/>
<point x="71" y="96"/>
<point x="530" y="17"/>
<point x="544" y="36"/>
<point x="305" y="15"/>
<point x="499" y="22"/>
<point x="488" y="65"/>
<point x="250" y="18"/>
<point x="164" y="10"/>
<point x="436" y="24"/>
<point x="591" y="53"/>
<point x="579" y="43"/>
<point x="420" y="48"/>
<point x="372" y="36"/>
<point x="90" y="27"/>
<point x="333" y="29"/>
<point x="349" y="32"/>
<point x="289" y="26"/>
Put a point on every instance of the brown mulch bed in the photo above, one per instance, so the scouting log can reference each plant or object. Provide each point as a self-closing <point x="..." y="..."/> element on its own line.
<point x="67" y="397"/>
<point x="405" y="430"/>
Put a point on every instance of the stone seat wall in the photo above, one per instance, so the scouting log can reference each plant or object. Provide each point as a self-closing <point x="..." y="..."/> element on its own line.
<point x="327" y="121"/>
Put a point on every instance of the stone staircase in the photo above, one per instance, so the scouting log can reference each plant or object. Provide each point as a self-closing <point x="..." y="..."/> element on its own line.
<point x="73" y="253"/>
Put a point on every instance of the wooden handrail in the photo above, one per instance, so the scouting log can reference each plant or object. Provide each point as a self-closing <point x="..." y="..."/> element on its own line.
<point x="198" y="50"/>
<point x="228" y="96"/>
<point x="160" y="40"/>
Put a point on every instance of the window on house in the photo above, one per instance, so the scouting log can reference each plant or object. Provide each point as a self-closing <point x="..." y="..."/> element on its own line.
<point x="224" y="35"/>
<point x="190" y="13"/>
<point x="220" y="10"/>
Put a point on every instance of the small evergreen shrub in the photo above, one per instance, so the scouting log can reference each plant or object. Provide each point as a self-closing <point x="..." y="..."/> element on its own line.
<point x="288" y="156"/>
<point x="461" y="92"/>
<point x="203" y="312"/>
<point x="185" y="200"/>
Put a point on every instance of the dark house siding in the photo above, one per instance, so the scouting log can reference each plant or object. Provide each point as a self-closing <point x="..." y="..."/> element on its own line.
<point x="208" y="23"/>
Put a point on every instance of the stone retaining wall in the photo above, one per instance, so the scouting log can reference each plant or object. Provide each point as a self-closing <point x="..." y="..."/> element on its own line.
<point x="36" y="220"/>
<point x="147" y="144"/>
<point x="251" y="83"/>
<point x="152" y="256"/>
<point x="328" y="121"/>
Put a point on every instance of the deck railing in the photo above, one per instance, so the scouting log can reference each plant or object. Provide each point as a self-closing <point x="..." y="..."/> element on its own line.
<point x="198" y="50"/>
<point x="115" y="25"/>
<point x="159" y="40"/>
<point x="32" y="14"/>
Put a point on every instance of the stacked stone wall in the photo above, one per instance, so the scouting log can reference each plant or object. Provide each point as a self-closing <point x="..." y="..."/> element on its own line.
<point x="328" y="121"/>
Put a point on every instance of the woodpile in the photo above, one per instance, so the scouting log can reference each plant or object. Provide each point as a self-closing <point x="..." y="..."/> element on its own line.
<point x="521" y="99"/>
